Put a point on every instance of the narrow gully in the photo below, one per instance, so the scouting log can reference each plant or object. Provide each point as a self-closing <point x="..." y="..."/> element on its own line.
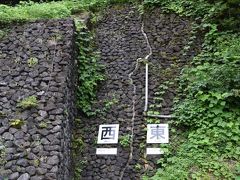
<point x="135" y="95"/>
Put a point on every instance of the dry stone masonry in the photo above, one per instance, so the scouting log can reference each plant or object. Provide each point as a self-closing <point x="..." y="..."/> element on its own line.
<point x="37" y="65"/>
<point x="37" y="94"/>
<point x="123" y="48"/>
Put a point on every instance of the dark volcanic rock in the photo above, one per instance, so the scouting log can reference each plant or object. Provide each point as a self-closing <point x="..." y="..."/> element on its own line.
<point x="122" y="45"/>
<point x="31" y="66"/>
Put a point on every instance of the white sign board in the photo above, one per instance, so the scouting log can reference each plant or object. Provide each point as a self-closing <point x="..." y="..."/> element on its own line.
<point x="157" y="133"/>
<point x="108" y="134"/>
<point x="106" y="151"/>
<point x="154" y="151"/>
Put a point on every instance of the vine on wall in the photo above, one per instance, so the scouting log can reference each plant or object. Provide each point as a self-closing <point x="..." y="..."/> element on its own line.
<point x="89" y="70"/>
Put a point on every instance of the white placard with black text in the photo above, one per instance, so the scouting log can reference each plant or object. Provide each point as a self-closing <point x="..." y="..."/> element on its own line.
<point x="157" y="133"/>
<point x="108" y="134"/>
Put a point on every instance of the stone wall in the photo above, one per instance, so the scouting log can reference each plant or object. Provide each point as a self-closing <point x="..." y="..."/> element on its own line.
<point x="36" y="60"/>
<point x="120" y="39"/>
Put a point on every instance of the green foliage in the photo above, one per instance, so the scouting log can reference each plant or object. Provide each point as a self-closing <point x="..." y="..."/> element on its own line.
<point x="187" y="8"/>
<point x="227" y="47"/>
<point x="141" y="9"/>
<point x="137" y="167"/>
<point x="108" y="103"/>
<point x="2" y="114"/>
<point x="125" y="140"/>
<point x="79" y="168"/>
<point x="2" y="154"/>
<point x="77" y="148"/>
<point x="208" y="109"/>
<point x="89" y="70"/>
<point x="158" y="98"/>
<point x="28" y="11"/>
<point x="16" y="123"/>
<point x="29" y="102"/>
<point x="43" y="125"/>
<point x="78" y="144"/>
<point x="3" y="32"/>
<point x="209" y="94"/>
<point x="223" y="13"/>
<point x="36" y="162"/>
<point x="32" y="62"/>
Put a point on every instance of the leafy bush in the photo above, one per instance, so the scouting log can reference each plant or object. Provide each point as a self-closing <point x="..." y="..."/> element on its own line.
<point x="208" y="110"/>
<point x="210" y="115"/>
<point x="27" y="11"/>
<point x="31" y="11"/>
<point x="207" y="107"/>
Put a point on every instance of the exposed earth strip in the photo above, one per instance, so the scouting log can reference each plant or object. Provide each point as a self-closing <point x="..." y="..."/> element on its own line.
<point x="134" y="97"/>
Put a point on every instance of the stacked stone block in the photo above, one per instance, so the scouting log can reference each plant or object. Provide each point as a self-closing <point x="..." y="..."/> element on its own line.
<point x="37" y="60"/>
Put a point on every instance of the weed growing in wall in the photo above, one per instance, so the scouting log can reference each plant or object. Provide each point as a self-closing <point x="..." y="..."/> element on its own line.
<point x="2" y="114"/>
<point x="2" y="154"/>
<point x="16" y="123"/>
<point x="3" y="32"/>
<point x="28" y="102"/>
<point x="32" y="62"/>
<point x="125" y="141"/>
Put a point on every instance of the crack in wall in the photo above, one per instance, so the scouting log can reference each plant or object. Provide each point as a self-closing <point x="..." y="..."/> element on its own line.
<point x="134" y="98"/>
<point x="133" y="118"/>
